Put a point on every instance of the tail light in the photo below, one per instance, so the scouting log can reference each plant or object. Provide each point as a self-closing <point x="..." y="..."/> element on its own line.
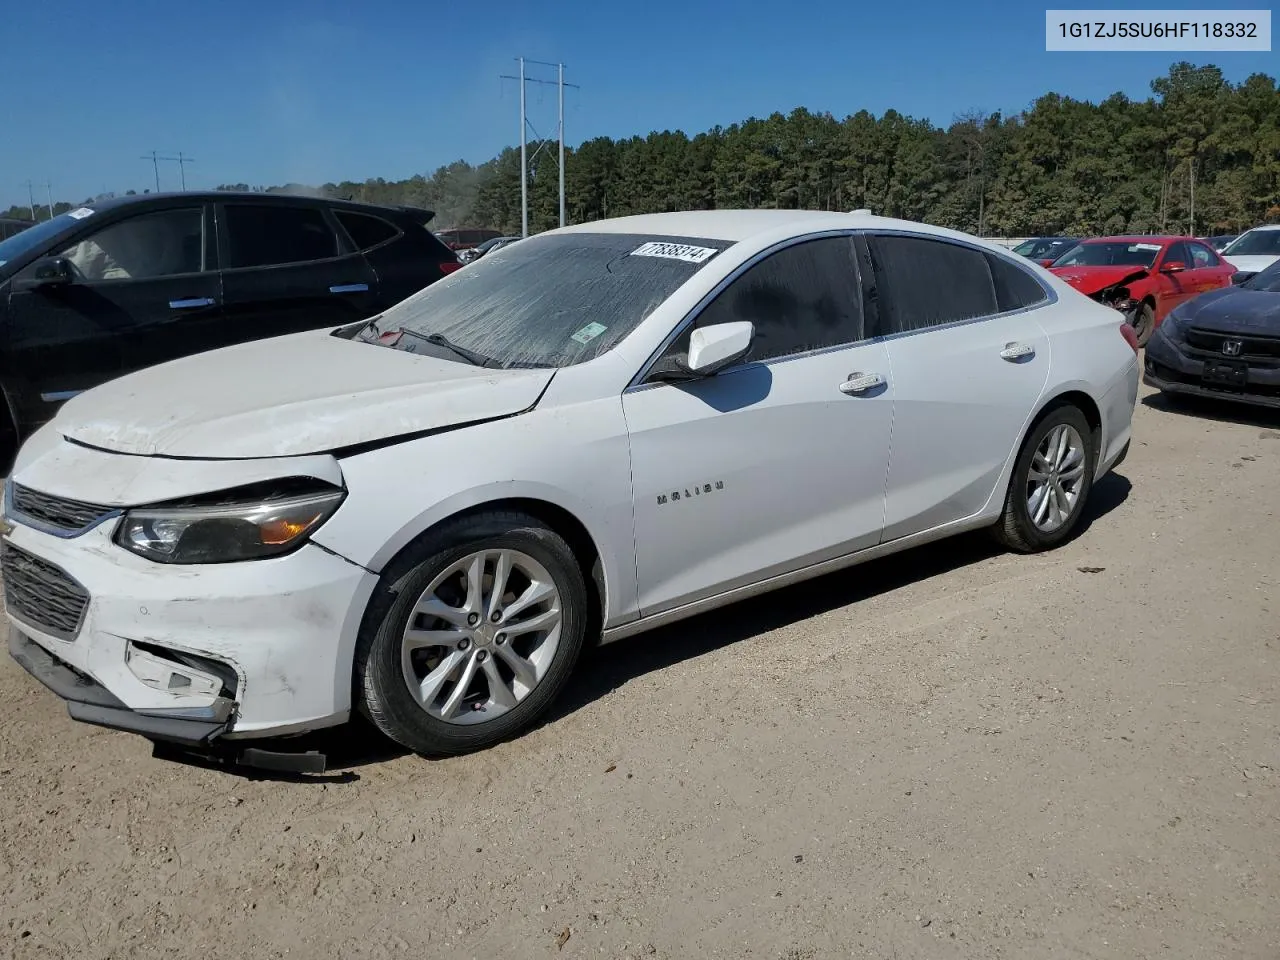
<point x="448" y="266"/>
<point x="1130" y="337"/>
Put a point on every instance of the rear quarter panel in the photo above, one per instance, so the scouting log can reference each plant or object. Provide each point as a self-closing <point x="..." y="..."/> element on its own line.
<point x="1091" y="356"/>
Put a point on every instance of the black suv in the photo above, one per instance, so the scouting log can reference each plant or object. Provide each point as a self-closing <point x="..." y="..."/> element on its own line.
<point x="116" y="286"/>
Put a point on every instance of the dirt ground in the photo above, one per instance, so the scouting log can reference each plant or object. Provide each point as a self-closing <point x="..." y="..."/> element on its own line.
<point x="953" y="753"/>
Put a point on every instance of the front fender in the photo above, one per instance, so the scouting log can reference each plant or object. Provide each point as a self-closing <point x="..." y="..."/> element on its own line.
<point x="574" y="458"/>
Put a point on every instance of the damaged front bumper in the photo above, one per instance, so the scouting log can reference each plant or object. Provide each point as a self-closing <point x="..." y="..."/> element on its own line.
<point x="91" y="702"/>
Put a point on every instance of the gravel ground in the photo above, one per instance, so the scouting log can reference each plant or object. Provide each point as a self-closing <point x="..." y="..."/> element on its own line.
<point x="951" y="753"/>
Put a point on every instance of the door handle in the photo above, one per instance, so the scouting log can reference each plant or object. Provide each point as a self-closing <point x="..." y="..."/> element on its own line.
<point x="1016" y="351"/>
<point x="861" y="383"/>
<point x="190" y="303"/>
<point x="349" y="288"/>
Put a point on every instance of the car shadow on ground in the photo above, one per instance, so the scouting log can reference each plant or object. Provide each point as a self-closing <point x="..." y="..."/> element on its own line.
<point x="1220" y="411"/>
<point x="605" y="669"/>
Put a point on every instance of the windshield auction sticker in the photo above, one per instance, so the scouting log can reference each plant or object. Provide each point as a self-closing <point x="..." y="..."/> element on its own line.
<point x="674" y="251"/>
<point x="1128" y="30"/>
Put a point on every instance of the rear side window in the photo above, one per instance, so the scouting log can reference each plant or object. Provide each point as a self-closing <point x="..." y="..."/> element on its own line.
<point x="260" y="235"/>
<point x="925" y="283"/>
<point x="804" y="297"/>
<point x="366" y="230"/>
<point x="1016" y="289"/>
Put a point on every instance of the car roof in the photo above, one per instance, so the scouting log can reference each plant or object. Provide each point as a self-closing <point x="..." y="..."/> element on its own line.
<point x="1265" y="226"/>
<point x="733" y="226"/>
<point x="1136" y="238"/>
<point x="213" y="196"/>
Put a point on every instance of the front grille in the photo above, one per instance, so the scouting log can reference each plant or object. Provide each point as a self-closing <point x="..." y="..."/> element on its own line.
<point x="70" y="516"/>
<point x="1255" y="346"/>
<point x="41" y="594"/>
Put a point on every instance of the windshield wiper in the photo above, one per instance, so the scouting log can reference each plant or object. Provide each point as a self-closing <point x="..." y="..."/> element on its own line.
<point x="440" y="340"/>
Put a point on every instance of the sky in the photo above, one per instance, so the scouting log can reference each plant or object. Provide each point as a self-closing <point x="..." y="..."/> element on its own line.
<point x="275" y="91"/>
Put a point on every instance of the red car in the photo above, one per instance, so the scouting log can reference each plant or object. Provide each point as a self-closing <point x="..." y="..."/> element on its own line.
<point x="1144" y="277"/>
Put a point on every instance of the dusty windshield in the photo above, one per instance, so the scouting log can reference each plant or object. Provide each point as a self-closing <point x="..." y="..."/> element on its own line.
<point x="548" y="301"/>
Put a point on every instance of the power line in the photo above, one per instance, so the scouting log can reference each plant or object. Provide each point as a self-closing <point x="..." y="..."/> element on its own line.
<point x="525" y="126"/>
<point x="180" y="160"/>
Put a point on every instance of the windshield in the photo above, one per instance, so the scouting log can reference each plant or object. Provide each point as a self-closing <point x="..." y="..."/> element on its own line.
<point x="547" y="301"/>
<point x="1110" y="254"/>
<point x="1255" y="243"/>
<point x="1267" y="281"/>
<point x="1025" y="248"/>
<point x="19" y="245"/>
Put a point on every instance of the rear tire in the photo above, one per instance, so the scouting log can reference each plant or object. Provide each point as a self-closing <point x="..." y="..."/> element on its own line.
<point x="437" y="623"/>
<point x="1051" y="481"/>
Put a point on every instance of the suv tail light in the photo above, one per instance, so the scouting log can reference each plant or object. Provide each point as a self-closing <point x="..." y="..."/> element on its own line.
<point x="1130" y="337"/>
<point x="448" y="266"/>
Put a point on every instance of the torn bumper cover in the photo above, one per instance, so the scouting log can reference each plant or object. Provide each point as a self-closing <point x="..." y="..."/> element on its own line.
<point x="1118" y="296"/>
<point x="91" y="702"/>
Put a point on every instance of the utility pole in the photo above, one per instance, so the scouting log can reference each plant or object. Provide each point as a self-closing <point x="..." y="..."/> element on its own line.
<point x="155" y="165"/>
<point x="1193" y="196"/>
<point x="561" y="145"/>
<point x="31" y="199"/>
<point x="48" y="187"/>
<point x="525" y="126"/>
<point x="182" y="162"/>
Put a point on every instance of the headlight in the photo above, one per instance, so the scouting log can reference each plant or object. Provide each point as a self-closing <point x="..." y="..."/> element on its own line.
<point x="227" y="531"/>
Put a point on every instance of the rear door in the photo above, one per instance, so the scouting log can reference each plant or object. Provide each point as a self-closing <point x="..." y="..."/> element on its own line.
<point x="286" y="269"/>
<point x="968" y="361"/>
<point x="145" y="291"/>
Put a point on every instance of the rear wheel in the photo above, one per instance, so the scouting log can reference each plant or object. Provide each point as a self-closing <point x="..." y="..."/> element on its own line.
<point x="1144" y="323"/>
<point x="472" y="634"/>
<point x="1051" y="481"/>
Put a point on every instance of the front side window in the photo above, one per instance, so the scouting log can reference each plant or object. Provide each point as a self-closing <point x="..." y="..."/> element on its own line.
<point x="804" y="297"/>
<point x="1203" y="256"/>
<point x="261" y="235"/>
<point x="162" y="244"/>
<point x="548" y="301"/>
<point x="922" y="282"/>
<point x="1178" y="253"/>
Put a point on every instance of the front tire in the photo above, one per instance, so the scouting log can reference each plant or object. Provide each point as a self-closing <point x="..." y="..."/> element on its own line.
<point x="1051" y="481"/>
<point x="471" y="634"/>
<point x="1144" y="323"/>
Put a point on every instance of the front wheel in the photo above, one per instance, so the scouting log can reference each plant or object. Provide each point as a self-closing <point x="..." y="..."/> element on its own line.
<point x="1144" y="323"/>
<point x="471" y="634"/>
<point x="1051" y="482"/>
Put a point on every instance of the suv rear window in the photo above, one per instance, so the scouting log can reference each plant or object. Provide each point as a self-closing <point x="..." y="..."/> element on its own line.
<point x="365" y="229"/>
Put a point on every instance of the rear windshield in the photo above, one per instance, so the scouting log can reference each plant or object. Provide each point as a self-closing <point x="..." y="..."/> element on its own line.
<point x="1110" y="254"/>
<point x="548" y="301"/>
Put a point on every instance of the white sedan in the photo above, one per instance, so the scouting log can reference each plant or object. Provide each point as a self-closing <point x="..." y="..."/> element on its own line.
<point x="424" y="517"/>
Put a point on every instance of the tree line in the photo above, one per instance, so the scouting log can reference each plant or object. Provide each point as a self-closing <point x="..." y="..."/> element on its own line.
<point x="1199" y="146"/>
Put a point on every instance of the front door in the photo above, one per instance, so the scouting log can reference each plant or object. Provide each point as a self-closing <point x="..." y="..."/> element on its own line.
<point x="285" y="270"/>
<point x="139" y="293"/>
<point x="777" y="463"/>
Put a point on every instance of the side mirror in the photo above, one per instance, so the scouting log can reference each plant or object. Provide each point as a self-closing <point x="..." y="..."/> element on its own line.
<point x="46" y="272"/>
<point x="1174" y="266"/>
<point x="713" y="348"/>
<point x="1240" y="276"/>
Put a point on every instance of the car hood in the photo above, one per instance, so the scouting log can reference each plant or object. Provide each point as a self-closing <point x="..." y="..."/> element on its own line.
<point x="1252" y="263"/>
<point x="1092" y="279"/>
<point x="286" y="396"/>
<point x="1233" y="310"/>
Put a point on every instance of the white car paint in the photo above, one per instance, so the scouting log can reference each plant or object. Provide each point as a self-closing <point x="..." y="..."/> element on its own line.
<point x="1252" y="263"/>
<point x="692" y="494"/>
